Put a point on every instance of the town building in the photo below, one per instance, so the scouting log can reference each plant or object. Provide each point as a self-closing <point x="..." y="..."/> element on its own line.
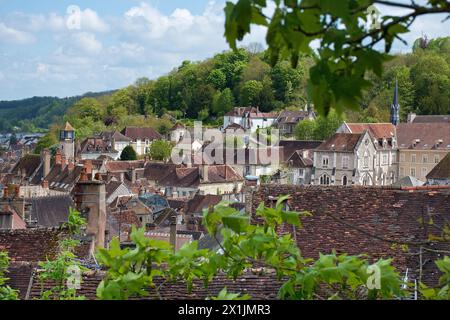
<point x="250" y="118"/>
<point x="141" y="138"/>
<point x="289" y="119"/>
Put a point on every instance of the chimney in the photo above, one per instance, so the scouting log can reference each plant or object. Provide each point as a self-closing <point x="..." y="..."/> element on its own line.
<point x="44" y="184"/>
<point x="204" y="170"/>
<point x="91" y="201"/>
<point x="5" y="192"/>
<point x="83" y="176"/>
<point x="71" y="165"/>
<point x="63" y="161"/>
<point x="133" y="175"/>
<point x="45" y="158"/>
<point x="88" y="167"/>
<point x="58" y="157"/>
<point x="411" y="117"/>
<point x="173" y="232"/>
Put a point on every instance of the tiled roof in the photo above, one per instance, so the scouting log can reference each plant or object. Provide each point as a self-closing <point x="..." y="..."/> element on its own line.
<point x="441" y="170"/>
<point x="341" y="142"/>
<point x="20" y="274"/>
<point x="30" y="245"/>
<point x="200" y="202"/>
<point x="136" y="133"/>
<point x="424" y="136"/>
<point x="378" y="130"/>
<point x="63" y="179"/>
<point x="358" y="220"/>
<point x="97" y="145"/>
<point x="297" y="161"/>
<point x="259" y="287"/>
<point x="177" y="126"/>
<point x="68" y="127"/>
<point x="119" y="166"/>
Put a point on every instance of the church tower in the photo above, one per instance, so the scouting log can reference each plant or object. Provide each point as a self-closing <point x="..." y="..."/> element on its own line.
<point x="395" y="108"/>
<point x="67" y="142"/>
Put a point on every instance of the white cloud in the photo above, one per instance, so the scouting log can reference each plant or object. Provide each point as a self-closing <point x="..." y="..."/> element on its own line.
<point x="87" y="42"/>
<point x="12" y="35"/>
<point x="91" y="21"/>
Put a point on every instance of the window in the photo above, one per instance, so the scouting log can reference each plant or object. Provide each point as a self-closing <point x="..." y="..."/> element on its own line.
<point x="301" y="172"/>
<point x="325" y="161"/>
<point x="413" y="172"/>
<point x="325" y="180"/>
<point x="402" y="157"/>
<point x="437" y="159"/>
<point x="413" y="158"/>
<point x="366" y="160"/>
<point x="345" y="162"/>
<point x="394" y="158"/>
<point x="402" y="171"/>
<point x="385" y="159"/>
<point x="425" y="158"/>
<point x="344" y="180"/>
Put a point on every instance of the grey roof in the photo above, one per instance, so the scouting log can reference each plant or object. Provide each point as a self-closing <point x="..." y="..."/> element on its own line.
<point x="408" y="181"/>
<point x="51" y="211"/>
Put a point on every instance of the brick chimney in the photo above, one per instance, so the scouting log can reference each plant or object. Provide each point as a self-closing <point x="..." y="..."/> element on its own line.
<point x="204" y="170"/>
<point x="5" y="192"/>
<point x="45" y="158"/>
<point x="71" y="165"/>
<point x="63" y="161"/>
<point x="88" y="167"/>
<point x="44" y="184"/>
<point x="91" y="201"/>
<point x="58" y="157"/>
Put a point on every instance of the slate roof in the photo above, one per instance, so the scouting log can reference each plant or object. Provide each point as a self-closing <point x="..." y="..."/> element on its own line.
<point x="429" y="135"/>
<point x="291" y="146"/>
<point x="97" y="145"/>
<point x="292" y="116"/>
<point x="62" y="178"/>
<point x="136" y="133"/>
<point x="28" y="164"/>
<point x="253" y="112"/>
<point x="51" y="211"/>
<point x="298" y="161"/>
<point x="408" y="181"/>
<point x="114" y="135"/>
<point x="441" y="170"/>
<point x="432" y="119"/>
<point x="124" y="166"/>
<point x="341" y="142"/>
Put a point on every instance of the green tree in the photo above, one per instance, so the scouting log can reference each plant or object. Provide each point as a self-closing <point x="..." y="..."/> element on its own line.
<point x="223" y="102"/>
<point x="250" y="93"/>
<point x="86" y="108"/>
<point x="160" y="150"/>
<point x="45" y="142"/>
<point x="347" y="47"/>
<point x="218" y="79"/>
<point x="327" y="126"/>
<point x="128" y="154"/>
<point x="306" y="130"/>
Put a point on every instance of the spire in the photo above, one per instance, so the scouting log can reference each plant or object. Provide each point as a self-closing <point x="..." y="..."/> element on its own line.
<point x="395" y="108"/>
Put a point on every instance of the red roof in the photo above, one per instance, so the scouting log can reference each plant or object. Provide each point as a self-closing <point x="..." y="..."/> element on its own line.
<point x="136" y="133"/>
<point x="378" y="130"/>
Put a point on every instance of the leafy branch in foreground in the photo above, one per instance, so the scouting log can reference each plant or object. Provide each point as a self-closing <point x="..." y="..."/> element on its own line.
<point x="6" y="293"/>
<point x="347" y="43"/>
<point x="151" y="265"/>
<point x="65" y="267"/>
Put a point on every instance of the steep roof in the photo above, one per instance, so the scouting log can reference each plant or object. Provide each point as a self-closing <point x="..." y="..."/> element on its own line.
<point x="200" y="202"/>
<point x="408" y="181"/>
<point x="123" y="166"/>
<point x="441" y="170"/>
<point x="68" y="127"/>
<point x="368" y="220"/>
<point x="51" y="211"/>
<point x="114" y="135"/>
<point x="291" y="146"/>
<point x="97" y="145"/>
<point x="423" y="136"/>
<point x="378" y="130"/>
<point x="27" y="164"/>
<point x="177" y="126"/>
<point x="252" y="112"/>
<point x="292" y="116"/>
<point x="341" y="142"/>
<point x="136" y="133"/>
<point x="298" y="161"/>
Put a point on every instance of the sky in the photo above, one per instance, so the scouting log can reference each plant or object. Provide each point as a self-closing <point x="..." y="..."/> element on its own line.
<point x="44" y="51"/>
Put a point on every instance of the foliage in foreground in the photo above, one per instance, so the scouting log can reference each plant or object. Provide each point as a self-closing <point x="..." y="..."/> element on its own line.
<point x="6" y="293"/>
<point x="143" y="270"/>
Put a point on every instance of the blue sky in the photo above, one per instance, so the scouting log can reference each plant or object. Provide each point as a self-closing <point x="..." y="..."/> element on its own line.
<point x="117" y="42"/>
